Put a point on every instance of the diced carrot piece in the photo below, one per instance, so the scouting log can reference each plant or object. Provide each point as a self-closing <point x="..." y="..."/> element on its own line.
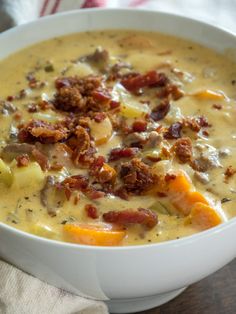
<point x="196" y="197"/>
<point x="187" y="201"/>
<point x="180" y="184"/>
<point x="209" y="94"/>
<point x="93" y="235"/>
<point x="203" y="216"/>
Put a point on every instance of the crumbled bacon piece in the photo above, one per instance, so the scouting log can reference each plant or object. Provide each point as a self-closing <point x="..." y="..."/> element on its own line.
<point x="91" y="210"/>
<point x="82" y="139"/>
<point x="161" y="194"/>
<point x="77" y="182"/>
<point x="229" y="172"/>
<point x="80" y="144"/>
<point x="102" y="172"/>
<point x="192" y="124"/>
<point x="41" y="159"/>
<point x="56" y="166"/>
<point x="32" y="108"/>
<point x="97" y="164"/>
<point x="142" y="216"/>
<point x="99" y="116"/>
<point x="81" y="95"/>
<point x="183" y="149"/>
<point x="195" y="123"/>
<point x="101" y="96"/>
<point x="84" y="158"/>
<point x="139" y="126"/>
<point x="169" y="177"/>
<point x="170" y="90"/>
<point x="22" y="160"/>
<point x="174" y="131"/>
<point x="217" y="106"/>
<point x="84" y="122"/>
<point x="69" y="99"/>
<point x="150" y="79"/>
<point x="202" y="120"/>
<point x="10" y="98"/>
<point x="44" y="132"/>
<point x="114" y="104"/>
<point x="122" y="193"/>
<point x="160" y="111"/>
<point x="107" y="174"/>
<point x="65" y="82"/>
<point x="118" y="153"/>
<point x="137" y="176"/>
<point x="93" y="194"/>
<point x="205" y="133"/>
<point x="17" y="115"/>
<point x="44" y="105"/>
<point x="73" y="183"/>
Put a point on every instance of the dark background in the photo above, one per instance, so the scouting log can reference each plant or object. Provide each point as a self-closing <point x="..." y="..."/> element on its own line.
<point x="215" y="294"/>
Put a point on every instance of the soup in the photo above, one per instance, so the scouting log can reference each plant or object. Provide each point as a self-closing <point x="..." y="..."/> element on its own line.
<point x="117" y="138"/>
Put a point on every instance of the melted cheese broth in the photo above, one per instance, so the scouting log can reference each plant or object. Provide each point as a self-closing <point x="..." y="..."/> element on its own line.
<point x="203" y="69"/>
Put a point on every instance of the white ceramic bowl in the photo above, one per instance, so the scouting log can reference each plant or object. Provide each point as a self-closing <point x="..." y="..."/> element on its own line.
<point x="128" y="278"/>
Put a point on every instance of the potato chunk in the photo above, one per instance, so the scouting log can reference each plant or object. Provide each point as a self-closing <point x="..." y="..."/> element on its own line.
<point x="5" y="173"/>
<point x="130" y="107"/>
<point x="101" y="131"/>
<point x="28" y="176"/>
<point x="42" y="230"/>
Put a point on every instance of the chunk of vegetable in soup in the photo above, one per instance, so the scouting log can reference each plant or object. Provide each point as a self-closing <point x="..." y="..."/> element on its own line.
<point x="117" y="138"/>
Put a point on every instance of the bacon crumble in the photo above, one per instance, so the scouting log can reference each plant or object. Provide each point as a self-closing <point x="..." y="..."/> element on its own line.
<point x="44" y="132"/>
<point x="142" y="216"/>
<point x="119" y="153"/>
<point x="139" y="81"/>
<point x="92" y="211"/>
<point x="183" y="149"/>
<point x="81" y="95"/>
<point x="174" y="131"/>
<point x="229" y="172"/>
<point x="137" y="176"/>
<point x="160" y="111"/>
<point x="22" y="160"/>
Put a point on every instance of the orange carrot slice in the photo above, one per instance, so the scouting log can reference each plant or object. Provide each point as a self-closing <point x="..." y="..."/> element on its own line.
<point x="185" y="204"/>
<point x="203" y="216"/>
<point x="180" y="184"/>
<point x="181" y="194"/>
<point x="93" y="235"/>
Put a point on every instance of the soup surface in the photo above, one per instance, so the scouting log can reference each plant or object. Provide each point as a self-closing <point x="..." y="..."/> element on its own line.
<point x="117" y="138"/>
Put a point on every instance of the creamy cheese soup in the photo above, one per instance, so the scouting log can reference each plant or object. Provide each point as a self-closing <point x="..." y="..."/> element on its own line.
<point x="117" y="138"/>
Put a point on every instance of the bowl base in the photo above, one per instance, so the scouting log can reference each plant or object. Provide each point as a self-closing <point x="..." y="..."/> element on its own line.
<point x="141" y="304"/>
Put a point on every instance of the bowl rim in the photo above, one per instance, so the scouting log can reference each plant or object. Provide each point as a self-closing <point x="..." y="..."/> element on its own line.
<point x="166" y="244"/>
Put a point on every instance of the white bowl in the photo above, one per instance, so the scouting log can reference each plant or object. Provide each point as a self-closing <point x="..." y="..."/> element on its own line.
<point x="132" y="278"/>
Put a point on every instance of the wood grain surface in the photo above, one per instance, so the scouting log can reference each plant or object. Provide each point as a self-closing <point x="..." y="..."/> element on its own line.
<point x="215" y="294"/>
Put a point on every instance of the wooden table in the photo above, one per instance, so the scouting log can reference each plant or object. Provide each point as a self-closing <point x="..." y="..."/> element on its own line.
<point x="215" y="294"/>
